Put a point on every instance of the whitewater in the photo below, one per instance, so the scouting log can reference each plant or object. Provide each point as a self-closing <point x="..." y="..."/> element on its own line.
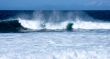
<point x="55" y="45"/>
<point x="56" y="20"/>
<point x="78" y="24"/>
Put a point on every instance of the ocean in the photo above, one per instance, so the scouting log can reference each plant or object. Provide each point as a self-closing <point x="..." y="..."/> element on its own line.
<point x="43" y="34"/>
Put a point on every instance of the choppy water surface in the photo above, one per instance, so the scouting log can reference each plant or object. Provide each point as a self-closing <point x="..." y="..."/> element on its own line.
<point x="55" y="45"/>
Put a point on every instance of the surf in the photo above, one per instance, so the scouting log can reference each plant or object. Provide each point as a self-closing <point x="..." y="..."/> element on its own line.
<point x="53" y="21"/>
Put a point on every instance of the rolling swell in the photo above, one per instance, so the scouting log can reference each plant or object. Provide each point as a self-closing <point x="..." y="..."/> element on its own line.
<point x="10" y="26"/>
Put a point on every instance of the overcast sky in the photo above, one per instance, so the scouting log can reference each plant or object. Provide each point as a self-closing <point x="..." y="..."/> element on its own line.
<point x="54" y="4"/>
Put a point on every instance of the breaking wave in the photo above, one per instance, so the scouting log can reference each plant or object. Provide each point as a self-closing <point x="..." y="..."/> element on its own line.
<point x="54" y="21"/>
<point x="35" y="25"/>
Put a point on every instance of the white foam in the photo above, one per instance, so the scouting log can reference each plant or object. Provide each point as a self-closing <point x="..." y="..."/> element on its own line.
<point x="37" y="24"/>
<point x="75" y="54"/>
<point x="53" y="26"/>
<point x="30" y="24"/>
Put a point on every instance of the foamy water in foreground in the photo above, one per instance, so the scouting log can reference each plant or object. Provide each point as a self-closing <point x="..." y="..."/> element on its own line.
<point x="55" y="45"/>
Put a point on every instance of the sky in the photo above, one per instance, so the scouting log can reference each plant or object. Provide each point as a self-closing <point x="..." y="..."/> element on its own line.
<point x="54" y="4"/>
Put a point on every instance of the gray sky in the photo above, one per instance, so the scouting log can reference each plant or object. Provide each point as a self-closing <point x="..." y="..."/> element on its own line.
<point x="54" y="4"/>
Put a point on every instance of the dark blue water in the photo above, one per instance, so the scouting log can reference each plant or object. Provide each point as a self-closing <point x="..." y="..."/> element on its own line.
<point x="97" y="14"/>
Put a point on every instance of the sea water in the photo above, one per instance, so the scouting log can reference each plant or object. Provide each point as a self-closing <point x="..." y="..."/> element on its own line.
<point x="55" y="45"/>
<point x="43" y="35"/>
